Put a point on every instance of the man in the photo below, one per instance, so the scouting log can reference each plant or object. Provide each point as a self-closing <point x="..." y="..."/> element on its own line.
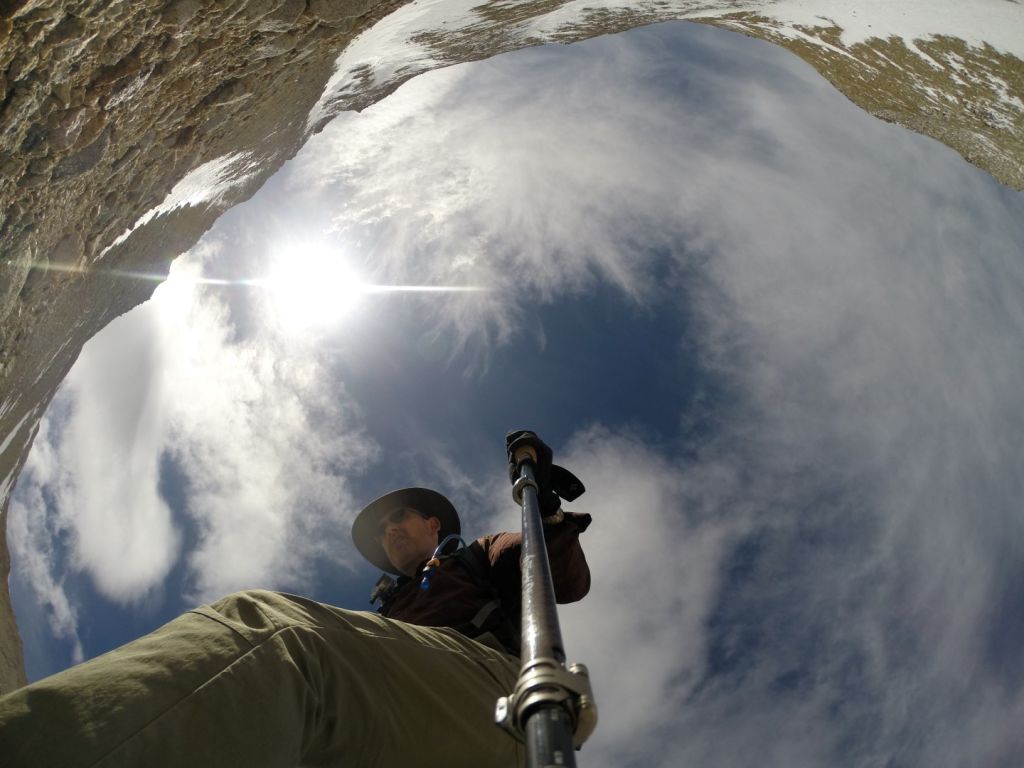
<point x="266" y="679"/>
<point x="475" y="590"/>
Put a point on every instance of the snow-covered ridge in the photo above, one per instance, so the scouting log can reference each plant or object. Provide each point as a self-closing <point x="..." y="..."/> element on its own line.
<point x="998" y="23"/>
<point x="397" y="45"/>
<point x="939" y="67"/>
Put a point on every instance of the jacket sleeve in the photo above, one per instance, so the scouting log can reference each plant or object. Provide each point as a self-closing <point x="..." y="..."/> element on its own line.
<point x="569" y="570"/>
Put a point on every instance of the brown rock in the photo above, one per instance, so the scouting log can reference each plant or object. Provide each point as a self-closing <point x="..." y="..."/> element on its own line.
<point x="117" y="46"/>
<point x="13" y="273"/>
<point x="70" y="28"/>
<point x="91" y="129"/>
<point x="10" y="8"/>
<point x="171" y="45"/>
<point x="12" y="166"/>
<point x="186" y="55"/>
<point x="209" y="45"/>
<point x="40" y="11"/>
<point x="48" y="105"/>
<point x="75" y="40"/>
<point x="84" y="159"/>
<point x="285" y="17"/>
<point x="21" y="104"/>
<point x="31" y="181"/>
<point x="178" y="13"/>
<point x="34" y="142"/>
<point x="77" y="96"/>
<point x="275" y="47"/>
<point x="253" y="10"/>
<point x="41" y="166"/>
<point x="125" y="67"/>
<point x="180" y="138"/>
<point x="62" y="93"/>
<point x="334" y="11"/>
<point x="230" y="92"/>
<point x="328" y="11"/>
<point x="123" y="161"/>
<point x="179" y="89"/>
<point x="34" y="32"/>
<point x="23" y="63"/>
<point x="126" y="90"/>
<point x="68" y="252"/>
<point x="65" y="127"/>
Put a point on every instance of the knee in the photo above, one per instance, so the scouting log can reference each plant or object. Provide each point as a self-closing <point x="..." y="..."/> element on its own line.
<point x="245" y="598"/>
<point x="255" y="609"/>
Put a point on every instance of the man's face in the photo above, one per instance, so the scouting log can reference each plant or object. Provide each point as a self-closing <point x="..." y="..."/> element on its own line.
<point x="408" y="538"/>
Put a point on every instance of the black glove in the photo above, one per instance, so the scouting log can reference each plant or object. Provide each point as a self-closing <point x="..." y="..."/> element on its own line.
<point x="522" y="438"/>
<point x="552" y="481"/>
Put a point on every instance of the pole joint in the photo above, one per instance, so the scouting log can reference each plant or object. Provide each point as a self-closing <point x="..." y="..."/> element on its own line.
<point x="524" y="481"/>
<point x="544" y="683"/>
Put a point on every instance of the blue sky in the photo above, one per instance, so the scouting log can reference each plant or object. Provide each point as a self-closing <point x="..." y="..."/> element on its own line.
<point x="778" y="339"/>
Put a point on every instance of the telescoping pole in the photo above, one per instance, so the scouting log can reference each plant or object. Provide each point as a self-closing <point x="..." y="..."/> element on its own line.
<point x="551" y="708"/>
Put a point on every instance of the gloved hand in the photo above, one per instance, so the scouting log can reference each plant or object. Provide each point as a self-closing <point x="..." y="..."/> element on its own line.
<point x="552" y="481"/>
<point x="523" y="438"/>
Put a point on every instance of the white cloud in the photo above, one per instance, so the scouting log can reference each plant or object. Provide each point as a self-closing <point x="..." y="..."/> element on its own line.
<point x="260" y="445"/>
<point x="264" y="445"/>
<point x="654" y="574"/>
<point x="109" y="461"/>
<point x="31" y="533"/>
<point x="96" y="461"/>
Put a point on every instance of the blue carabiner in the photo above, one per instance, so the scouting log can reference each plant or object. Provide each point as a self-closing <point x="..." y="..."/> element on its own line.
<point x="432" y="564"/>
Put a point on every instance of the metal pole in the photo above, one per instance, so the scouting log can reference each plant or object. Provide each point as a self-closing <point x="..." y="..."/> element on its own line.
<point x="547" y="726"/>
<point x="541" y="633"/>
<point x="551" y="708"/>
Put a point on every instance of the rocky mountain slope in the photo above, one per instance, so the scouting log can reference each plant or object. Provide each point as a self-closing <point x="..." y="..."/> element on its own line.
<point x="127" y="128"/>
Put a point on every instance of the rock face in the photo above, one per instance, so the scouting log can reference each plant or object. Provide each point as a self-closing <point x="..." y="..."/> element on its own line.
<point x="127" y="128"/>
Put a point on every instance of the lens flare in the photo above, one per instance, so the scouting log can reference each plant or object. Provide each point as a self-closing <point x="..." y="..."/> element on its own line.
<point x="312" y="286"/>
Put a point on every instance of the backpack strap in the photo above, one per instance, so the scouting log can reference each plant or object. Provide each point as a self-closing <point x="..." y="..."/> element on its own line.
<point x="484" y="613"/>
<point x="504" y="629"/>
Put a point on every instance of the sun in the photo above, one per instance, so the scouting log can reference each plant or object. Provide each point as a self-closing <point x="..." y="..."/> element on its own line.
<point x="312" y="286"/>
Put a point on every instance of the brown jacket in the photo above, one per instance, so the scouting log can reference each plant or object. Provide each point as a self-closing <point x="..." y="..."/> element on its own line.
<point x="456" y="595"/>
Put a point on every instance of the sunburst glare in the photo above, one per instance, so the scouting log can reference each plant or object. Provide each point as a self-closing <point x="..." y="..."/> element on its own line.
<point x="312" y="286"/>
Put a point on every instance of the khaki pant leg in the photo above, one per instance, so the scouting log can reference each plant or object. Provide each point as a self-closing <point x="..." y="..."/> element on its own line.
<point x="264" y="679"/>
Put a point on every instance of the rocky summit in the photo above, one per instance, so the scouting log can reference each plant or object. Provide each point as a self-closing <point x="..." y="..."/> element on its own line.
<point x="127" y="128"/>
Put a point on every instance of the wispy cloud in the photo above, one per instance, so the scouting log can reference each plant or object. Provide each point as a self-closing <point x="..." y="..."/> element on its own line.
<point x="31" y="535"/>
<point x="97" y="464"/>
<point x="655" y="573"/>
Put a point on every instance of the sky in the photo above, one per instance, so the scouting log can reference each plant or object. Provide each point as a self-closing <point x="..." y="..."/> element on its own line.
<point x="778" y="340"/>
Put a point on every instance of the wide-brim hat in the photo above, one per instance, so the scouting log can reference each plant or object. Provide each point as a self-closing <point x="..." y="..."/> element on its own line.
<point x="423" y="500"/>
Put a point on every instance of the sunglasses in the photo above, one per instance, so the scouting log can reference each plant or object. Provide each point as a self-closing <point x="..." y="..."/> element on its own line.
<point x="396" y="517"/>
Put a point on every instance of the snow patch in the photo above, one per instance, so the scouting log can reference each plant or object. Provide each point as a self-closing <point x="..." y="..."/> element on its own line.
<point x="8" y="405"/>
<point x="5" y="487"/>
<point x="384" y="52"/>
<point x="996" y="22"/>
<point x="14" y="433"/>
<point x="1011" y="101"/>
<point x="208" y="183"/>
<point x="53" y="359"/>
